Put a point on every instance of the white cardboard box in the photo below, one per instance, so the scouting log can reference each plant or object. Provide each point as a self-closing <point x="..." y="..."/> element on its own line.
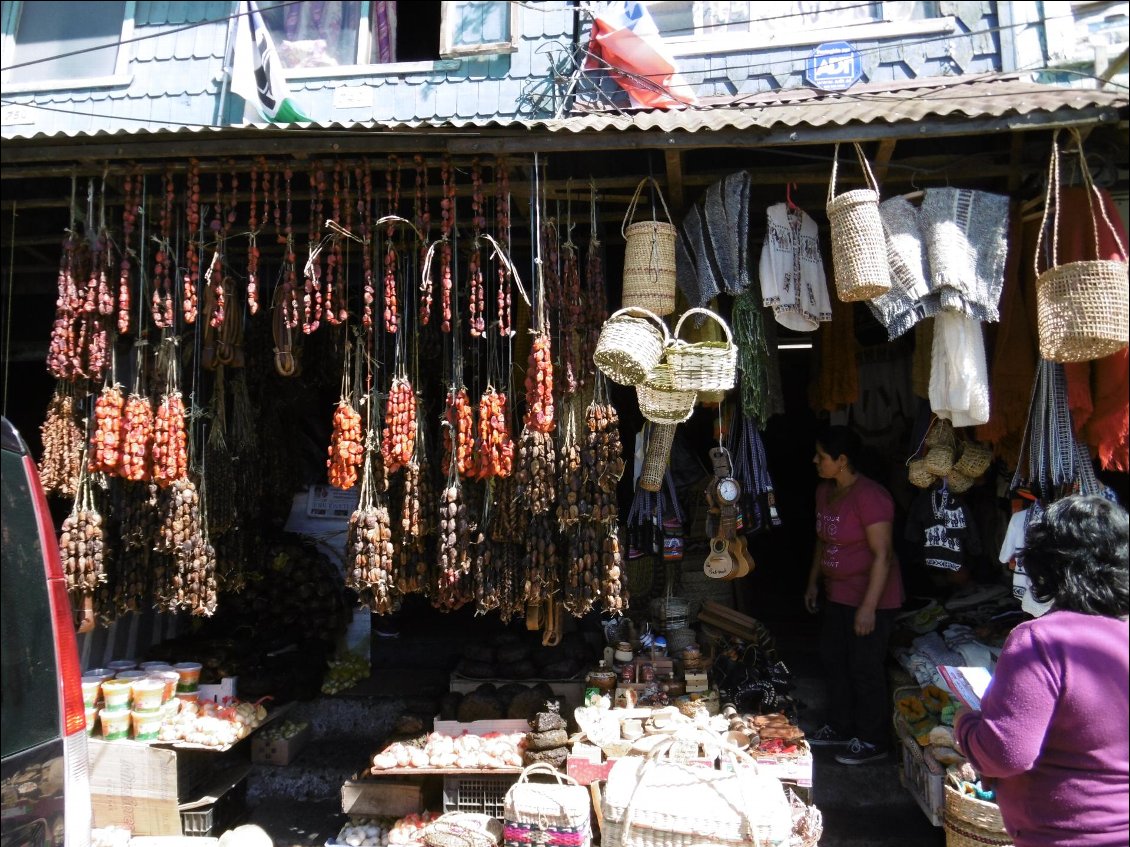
<point x="222" y="692"/>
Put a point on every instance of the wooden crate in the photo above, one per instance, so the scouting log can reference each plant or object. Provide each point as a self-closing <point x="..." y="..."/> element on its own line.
<point x="382" y="797"/>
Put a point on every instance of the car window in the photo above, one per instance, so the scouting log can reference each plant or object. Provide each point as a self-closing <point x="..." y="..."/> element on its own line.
<point x="29" y="692"/>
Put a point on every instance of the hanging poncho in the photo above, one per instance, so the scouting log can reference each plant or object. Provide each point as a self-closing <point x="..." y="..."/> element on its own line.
<point x="959" y="379"/>
<point x="906" y="303"/>
<point x="712" y="250"/>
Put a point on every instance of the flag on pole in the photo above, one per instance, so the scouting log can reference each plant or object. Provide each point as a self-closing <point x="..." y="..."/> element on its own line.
<point x="625" y="36"/>
<point x="257" y="74"/>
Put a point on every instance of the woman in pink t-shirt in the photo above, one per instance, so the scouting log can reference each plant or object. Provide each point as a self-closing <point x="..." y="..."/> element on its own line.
<point x="855" y="560"/>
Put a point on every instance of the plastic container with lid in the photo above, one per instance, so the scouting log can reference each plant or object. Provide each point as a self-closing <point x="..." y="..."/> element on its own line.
<point x="91" y="686"/>
<point x="156" y="666"/>
<point x="146" y="725"/>
<point x="131" y="675"/>
<point x="101" y="673"/>
<point x="91" y="719"/>
<point x="189" y="676"/>
<point x="115" y="723"/>
<point x="148" y="694"/>
<point x="122" y="665"/>
<point x="116" y="694"/>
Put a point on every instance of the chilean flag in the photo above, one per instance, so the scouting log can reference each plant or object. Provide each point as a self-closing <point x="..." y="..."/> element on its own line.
<point x="624" y="35"/>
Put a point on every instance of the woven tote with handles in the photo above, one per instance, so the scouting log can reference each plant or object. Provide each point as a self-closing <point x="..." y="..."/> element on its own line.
<point x="553" y="814"/>
<point x="657" y="801"/>
<point x="970" y="822"/>
<point x="661" y="401"/>
<point x="859" y="244"/>
<point x="649" y="258"/>
<point x="630" y="345"/>
<point x="703" y="365"/>
<point x="1082" y="308"/>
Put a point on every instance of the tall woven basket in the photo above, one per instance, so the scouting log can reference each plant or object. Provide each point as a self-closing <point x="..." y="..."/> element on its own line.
<point x="859" y="244"/>
<point x="649" y="258"/>
<point x="970" y="822"/>
<point x="1082" y="308"/>
<point x="660" y="439"/>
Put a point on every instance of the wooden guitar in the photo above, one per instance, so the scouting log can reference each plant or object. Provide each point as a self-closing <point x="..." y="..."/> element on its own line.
<point x="720" y="564"/>
<point x="745" y="563"/>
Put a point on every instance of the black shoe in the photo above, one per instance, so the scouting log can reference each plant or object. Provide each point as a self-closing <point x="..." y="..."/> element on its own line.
<point x="825" y="737"/>
<point x="859" y="753"/>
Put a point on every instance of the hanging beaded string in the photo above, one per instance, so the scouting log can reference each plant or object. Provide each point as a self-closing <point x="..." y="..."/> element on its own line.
<point x="162" y="304"/>
<point x="502" y="232"/>
<point x="290" y="285"/>
<point x="312" y="274"/>
<point x="215" y="269"/>
<point x="424" y="226"/>
<point x="189" y="296"/>
<point x="392" y="195"/>
<point x="596" y="301"/>
<point x="130" y="211"/>
<point x="476" y="296"/>
<point x="252" y="248"/>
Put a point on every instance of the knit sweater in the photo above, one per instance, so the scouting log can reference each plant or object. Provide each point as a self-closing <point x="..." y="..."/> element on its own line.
<point x="1053" y="732"/>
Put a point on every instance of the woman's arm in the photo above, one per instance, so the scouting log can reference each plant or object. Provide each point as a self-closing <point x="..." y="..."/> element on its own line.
<point x="879" y="539"/>
<point x="812" y="591"/>
<point x="1005" y="738"/>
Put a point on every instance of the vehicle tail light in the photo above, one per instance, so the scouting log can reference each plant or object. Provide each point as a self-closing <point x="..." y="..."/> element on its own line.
<point x="77" y="811"/>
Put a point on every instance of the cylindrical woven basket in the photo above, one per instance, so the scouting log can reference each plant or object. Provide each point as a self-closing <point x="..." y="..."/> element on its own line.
<point x="974" y="460"/>
<point x="630" y="345"/>
<point x="939" y="460"/>
<point x="649" y="258"/>
<point x="1082" y="308"/>
<point x="660" y="401"/>
<point x="859" y="244"/>
<point x="920" y="475"/>
<point x="658" y="454"/>
<point x="970" y="822"/>
<point x="703" y="365"/>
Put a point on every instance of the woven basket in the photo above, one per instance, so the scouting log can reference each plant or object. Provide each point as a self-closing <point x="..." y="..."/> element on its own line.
<point x="555" y="814"/>
<point x="958" y="482"/>
<point x="939" y="460"/>
<point x="649" y="258"/>
<point x="920" y="475"/>
<point x="703" y="365"/>
<point x="859" y="244"/>
<point x="1082" y="308"/>
<point x="940" y="432"/>
<point x="970" y="822"/>
<point x="630" y="345"/>
<point x="658" y="454"/>
<point x="974" y="460"/>
<point x="660" y="401"/>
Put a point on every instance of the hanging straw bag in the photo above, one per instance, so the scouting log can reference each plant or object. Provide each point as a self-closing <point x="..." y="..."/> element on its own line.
<point x="660" y="401"/>
<point x="660" y="439"/>
<point x="703" y="365"/>
<point x="554" y="814"/>
<point x="657" y="801"/>
<point x="919" y="475"/>
<point x="859" y="245"/>
<point x="630" y="345"/>
<point x="649" y="258"/>
<point x="974" y="460"/>
<point x="1082" y="308"/>
<point x="970" y="822"/>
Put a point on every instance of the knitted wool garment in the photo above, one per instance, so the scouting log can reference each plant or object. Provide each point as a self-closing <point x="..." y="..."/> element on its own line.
<point x="712" y="250"/>
<point x="699" y="286"/>
<point x="907" y="302"/>
<point x="965" y="236"/>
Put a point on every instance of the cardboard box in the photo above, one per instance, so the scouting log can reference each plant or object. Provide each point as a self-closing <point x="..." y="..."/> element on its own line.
<point x="134" y="786"/>
<point x="380" y="797"/>
<point x="268" y="750"/>
<point x="697" y="683"/>
<point x="222" y="692"/>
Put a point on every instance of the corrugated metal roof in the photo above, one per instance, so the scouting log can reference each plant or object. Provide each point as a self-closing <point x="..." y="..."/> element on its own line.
<point x="917" y="100"/>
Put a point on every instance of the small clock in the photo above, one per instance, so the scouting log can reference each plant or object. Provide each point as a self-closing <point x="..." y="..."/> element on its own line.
<point x="729" y="490"/>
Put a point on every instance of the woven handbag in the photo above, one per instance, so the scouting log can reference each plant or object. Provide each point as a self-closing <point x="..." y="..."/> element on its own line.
<point x="919" y="475"/>
<point x="660" y="401"/>
<point x="656" y="801"/>
<point x="859" y="245"/>
<point x="555" y="814"/>
<point x="463" y="829"/>
<point x="649" y="258"/>
<point x="974" y="460"/>
<point x="703" y="365"/>
<point x="660" y="438"/>
<point x="1082" y="308"/>
<point x="970" y="822"/>
<point x="630" y="345"/>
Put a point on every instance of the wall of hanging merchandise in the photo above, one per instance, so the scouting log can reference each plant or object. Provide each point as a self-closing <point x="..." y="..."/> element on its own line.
<point x="469" y="492"/>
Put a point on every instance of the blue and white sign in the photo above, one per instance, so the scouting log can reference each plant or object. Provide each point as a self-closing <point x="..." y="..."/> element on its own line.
<point x="834" y="66"/>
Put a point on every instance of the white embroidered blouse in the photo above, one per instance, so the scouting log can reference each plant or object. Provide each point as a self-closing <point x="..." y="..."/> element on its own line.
<point x="791" y="270"/>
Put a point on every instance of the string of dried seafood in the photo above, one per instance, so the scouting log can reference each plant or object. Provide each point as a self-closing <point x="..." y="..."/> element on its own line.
<point x="63" y="443"/>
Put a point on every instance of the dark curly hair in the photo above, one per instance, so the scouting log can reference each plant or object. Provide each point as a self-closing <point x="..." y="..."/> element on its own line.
<point x="1076" y="557"/>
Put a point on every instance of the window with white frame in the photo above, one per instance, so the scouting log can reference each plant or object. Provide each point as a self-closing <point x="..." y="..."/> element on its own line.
<point x="706" y="21"/>
<point x="316" y="34"/>
<point x="81" y="47"/>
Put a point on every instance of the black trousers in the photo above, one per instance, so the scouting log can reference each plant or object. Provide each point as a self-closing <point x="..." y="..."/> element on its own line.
<point x="856" y="674"/>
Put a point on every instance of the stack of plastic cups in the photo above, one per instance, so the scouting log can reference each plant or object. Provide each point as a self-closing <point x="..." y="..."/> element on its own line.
<point x="91" y="689"/>
<point x="188" y="686"/>
<point x="115" y="712"/>
<point x="148" y="697"/>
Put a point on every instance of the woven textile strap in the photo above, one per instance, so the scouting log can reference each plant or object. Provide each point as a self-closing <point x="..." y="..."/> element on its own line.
<point x="521" y="834"/>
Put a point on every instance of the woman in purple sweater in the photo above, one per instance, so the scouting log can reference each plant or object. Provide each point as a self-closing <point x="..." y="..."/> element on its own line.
<point x="1053" y="733"/>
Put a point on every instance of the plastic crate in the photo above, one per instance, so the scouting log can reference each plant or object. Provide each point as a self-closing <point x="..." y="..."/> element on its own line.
<point x="214" y="819"/>
<point x="927" y="787"/>
<point x="483" y="793"/>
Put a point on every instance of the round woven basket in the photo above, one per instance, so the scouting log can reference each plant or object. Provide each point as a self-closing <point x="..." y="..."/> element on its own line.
<point x="859" y="244"/>
<point x="920" y="475"/>
<point x="1082" y="310"/>
<point x="974" y="460"/>
<point x="703" y="365"/>
<point x="658" y="454"/>
<point x="970" y="822"/>
<point x="939" y="460"/>
<point x="1083" y="307"/>
<point x="649" y="258"/>
<point x="958" y="482"/>
<point x="660" y="401"/>
<point x="630" y="345"/>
